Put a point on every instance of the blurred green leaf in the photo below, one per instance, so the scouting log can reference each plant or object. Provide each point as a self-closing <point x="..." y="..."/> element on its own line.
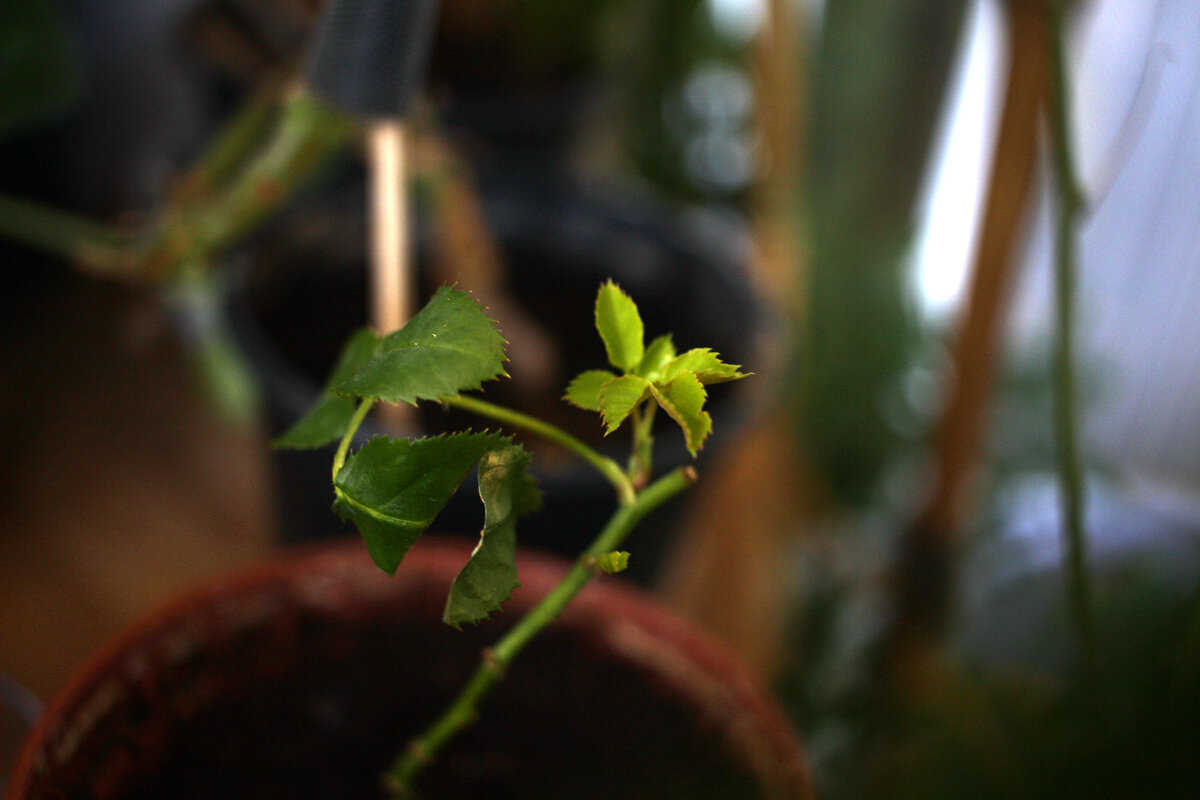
<point x="327" y="421"/>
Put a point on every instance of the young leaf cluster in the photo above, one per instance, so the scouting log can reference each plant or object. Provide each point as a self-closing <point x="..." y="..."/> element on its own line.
<point x="392" y="489"/>
<point x="653" y="373"/>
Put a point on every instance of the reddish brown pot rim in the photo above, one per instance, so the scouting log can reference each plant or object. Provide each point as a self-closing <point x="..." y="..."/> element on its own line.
<point x="627" y="621"/>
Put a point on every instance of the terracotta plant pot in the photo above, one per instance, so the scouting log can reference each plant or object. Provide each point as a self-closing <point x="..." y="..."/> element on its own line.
<point x="301" y="679"/>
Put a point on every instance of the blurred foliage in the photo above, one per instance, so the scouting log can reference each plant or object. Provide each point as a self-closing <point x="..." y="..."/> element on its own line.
<point x="657" y="57"/>
<point x="878" y="80"/>
<point x="979" y="726"/>
<point x="483" y="43"/>
<point x="39" y="75"/>
<point x="657" y="80"/>
<point x="981" y="732"/>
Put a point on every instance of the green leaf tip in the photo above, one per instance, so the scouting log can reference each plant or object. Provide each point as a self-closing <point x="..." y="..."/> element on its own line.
<point x="489" y="577"/>
<point x="391" y="489"/>
<point x="449" y="346"/>
<point x="683" y="399"/>
<point x="620" y="327"/>
<point x="705" y="364"/>
<point x="584" y="390"/>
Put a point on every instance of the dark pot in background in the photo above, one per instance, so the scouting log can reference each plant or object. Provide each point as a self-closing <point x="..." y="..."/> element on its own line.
<point x="301" y="680"/>
<point x="560" y="239"/>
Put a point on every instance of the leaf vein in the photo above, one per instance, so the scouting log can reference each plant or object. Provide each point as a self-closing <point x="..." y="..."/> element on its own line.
<point x="373" y="511"/>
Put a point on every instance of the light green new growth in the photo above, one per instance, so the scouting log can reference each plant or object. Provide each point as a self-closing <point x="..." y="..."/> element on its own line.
<point x="614" y="562"/>
<point x="675" y="382"/>
<point x="392" y="489"/>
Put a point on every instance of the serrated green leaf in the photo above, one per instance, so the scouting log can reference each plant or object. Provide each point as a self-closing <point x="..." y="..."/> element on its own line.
<point x="327" y="421"/>
<point x="683" y="399"/>
<point x="619" y="397"/>
<point x="706" y="365"/>
<point x="584" y="390"/>
<point x="508" y="492"/>
<point x="660" y="353"/>
<point x="620" y="327"/>
<point x="391" y="489"/>
<point x="450" y="346"/>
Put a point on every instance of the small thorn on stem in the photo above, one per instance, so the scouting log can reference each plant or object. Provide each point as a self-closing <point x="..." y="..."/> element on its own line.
<point x="417" y="751"/>
<point x="395" y="788"/>
<point x="493" y="662"/>
<point x="690" y="475"/>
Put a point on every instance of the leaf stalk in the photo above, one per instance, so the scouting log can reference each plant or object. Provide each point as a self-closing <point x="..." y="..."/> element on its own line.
<point x="360" y="413"/>
<point x="610" y="469"/>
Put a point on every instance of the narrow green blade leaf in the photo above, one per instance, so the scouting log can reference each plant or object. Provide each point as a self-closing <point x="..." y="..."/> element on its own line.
<point x="657" y="356"/>
<point x="490" y="575"/>
<point x="450" y="346"/>
<point x="706" y="365"/>
<point x="683" y="399"/>
<point x="326" y="421"/>
<point x="584" y="390"/>
<point x="391" y="489"/>
<point x="620" y="327"/>
<point x="619" y="397"/>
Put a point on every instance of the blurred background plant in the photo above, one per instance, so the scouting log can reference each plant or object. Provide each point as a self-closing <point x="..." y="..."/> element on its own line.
<point x="881" y="534"/>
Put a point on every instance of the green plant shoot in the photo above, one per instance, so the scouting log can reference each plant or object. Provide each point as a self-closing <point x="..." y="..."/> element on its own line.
<point x="393" y="489"/>
<point x="653" y="376"/>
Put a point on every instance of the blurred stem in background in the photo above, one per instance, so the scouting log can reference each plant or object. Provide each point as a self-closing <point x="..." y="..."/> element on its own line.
<point x="267" y="152"/>
<point x="878" y="80"/>
<point x="738" y="533"/>
<point x="1069" y="206"/>
<point x="930" y="546"/>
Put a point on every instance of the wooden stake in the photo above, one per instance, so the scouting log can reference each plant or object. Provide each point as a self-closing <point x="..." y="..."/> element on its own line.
<point x="391" y="262"/>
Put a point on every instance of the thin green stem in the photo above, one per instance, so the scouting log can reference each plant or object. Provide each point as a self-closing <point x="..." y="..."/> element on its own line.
<point x="610" y="469"/>
<point x="308" y="133"/>
<point x="465" y="708"/>
<point x="360" y="413"/>
<point x="204" y="218"/>
<point x="1070" y="203"/>
<point x="232" y="146"/>
<point x="60" y="233"/>
<point x="642" y="458"/>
